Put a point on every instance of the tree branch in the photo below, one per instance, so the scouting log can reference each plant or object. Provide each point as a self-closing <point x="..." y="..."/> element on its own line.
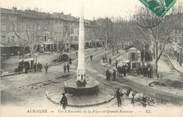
<point x="162" y="49"/>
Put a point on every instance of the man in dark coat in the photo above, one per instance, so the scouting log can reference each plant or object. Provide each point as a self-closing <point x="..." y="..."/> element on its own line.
<point x="144" y="101"/>
<point x="116" y="64"/>
<point x="46" y="68"/>
<point x="124" y="70"/>
<point x="35" y="69"/>
<point x="133" y="98"/>
<point x="149" y="71"/>
<point x="114" y="74"/>
<point x="65" y="67"/>
<point x="108" y="74"/>
<point x="70" y="61"/>
<point x="118" y="97"/>
<point x="63" y="101"/>
<point x="91" y="57"/>
<point x="68" y="67"/>
<point x="110" y="61"/>
<point x="103" y="59"/>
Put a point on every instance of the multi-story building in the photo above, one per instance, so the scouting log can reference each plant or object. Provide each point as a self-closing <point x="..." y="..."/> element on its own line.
<point x="29" y="27"/>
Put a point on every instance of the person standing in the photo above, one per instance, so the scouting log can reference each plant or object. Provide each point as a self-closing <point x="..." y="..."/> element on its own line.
<point x="133" y="98"/>
<point x="65" y="68"/>
<point x="35" y="69"/>
<point x="63" y="101"/>
<point x="41" y="66"/>
<point x="124" y="70"/>
<point x="68" y="67"/>
<point x="46" y="68"/>
<point x="103" y="59"/>
<point x="107" y="74"/>
<point x="76" y="54"/>
<point x="91" y="57"/>
<point x="116" y="64"/>
<point x="149" y="71"/>
<point x="114" y="74"/>
<point x="144" y="101"/>
<point x="118" y="97"/>
<point x="70" y="61"/>
<point x="110" y="61"/>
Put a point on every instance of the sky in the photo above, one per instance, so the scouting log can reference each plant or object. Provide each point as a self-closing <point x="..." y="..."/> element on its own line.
<point x="92" y="8"/>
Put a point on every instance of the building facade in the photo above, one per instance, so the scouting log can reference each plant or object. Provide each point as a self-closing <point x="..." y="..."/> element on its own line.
<point x="29" y="27"/>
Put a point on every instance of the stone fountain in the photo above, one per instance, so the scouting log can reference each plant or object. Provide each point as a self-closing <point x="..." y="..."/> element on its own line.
<point x="82" y="84"/>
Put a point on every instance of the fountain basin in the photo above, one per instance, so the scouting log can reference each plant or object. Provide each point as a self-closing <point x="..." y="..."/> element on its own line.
<point x="90" y="88"/>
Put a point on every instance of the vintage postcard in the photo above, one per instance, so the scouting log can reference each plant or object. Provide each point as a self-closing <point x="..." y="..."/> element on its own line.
<point x="91" y="58"/>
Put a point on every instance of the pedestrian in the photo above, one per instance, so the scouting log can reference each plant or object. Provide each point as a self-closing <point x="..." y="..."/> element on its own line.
<point x="133" y="98"/>
<point x="41" y="66"/>
<point x="114" y="74"/>
<point x="63" y="101"/>
<point x="143" y="69"/>
<point x="124" y="70"/>
<point x="65" y="67"/>
<point x="151" y="71"/>
<point x="144" y="101"/>
<point x="116" y="64"/>
<point x="38" y="66"/>
<point x="68" y="67"/>
<point x="148" y="71"/>
<point x="70" y="61"/>
<point x="91" y="57"/>
<point x="110" y="61"/>
<point x="46" y="68"/>
<point x="26" y="68"/>
<point x="128" y="92"/>
<point x="107" y="74"/>
<point x="103" y="59"/>
<point x="35" y="67"/>
<point x="118" y="97"/>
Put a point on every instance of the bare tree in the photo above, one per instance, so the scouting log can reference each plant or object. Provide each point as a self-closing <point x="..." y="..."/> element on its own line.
<point x="30" y="40"/>
<point x="157" y="30"/>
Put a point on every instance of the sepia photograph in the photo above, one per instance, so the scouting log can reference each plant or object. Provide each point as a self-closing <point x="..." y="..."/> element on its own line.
<point x="91" y="58"/>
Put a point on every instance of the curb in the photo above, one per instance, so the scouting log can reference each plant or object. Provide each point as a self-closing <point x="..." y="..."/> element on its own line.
<point x="81" y="106"/>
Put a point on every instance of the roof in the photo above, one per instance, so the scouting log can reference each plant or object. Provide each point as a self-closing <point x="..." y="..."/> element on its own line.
<point x="40" y="15"/>
<point x="26" y="59"/>
<point x="133" y="50"/>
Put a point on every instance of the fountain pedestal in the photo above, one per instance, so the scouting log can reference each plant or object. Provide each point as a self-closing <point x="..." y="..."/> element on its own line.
<point x="90" y="88"/>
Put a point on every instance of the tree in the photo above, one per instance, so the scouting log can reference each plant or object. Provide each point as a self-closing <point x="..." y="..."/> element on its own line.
<point x="104" y="31"/>
<point x="29" y="40"/>
<point x="157" y="30"/>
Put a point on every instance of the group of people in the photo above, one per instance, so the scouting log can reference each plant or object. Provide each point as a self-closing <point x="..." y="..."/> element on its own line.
<point x="109" y="74"/>
<point x="66" y="67"/>
<point x="38" y="67"/>
<point x="122" y="70"/>
<point x="119" y="94"/>
<point x="144" y="100"/>
<point x="146" y="70"/>
<point x="106" y="60"/>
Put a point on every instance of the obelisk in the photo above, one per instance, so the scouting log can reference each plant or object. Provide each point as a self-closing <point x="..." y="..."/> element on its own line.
<point x="81" y="72"/>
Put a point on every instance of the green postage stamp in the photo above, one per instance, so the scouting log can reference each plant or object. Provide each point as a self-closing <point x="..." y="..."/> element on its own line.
<point x="159" y="7"/>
